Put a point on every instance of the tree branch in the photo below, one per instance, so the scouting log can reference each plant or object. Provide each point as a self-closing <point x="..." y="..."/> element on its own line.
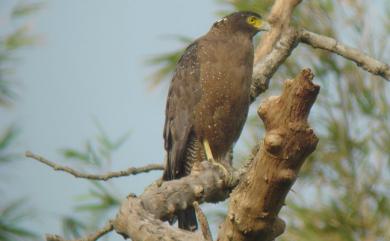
<point x="101" y="177"/>
<point x="204" y="225"/>
<point x="288" y="141"/>
<point x="279" y="18"/>
<point x="275" y="45"/>
<point x="368" y="63"/>
<point x="141" y="218"/>
<point x="264" y="70"/>
<point x="160" y="201"/>
<point x="92" y="237"/>
<point x="206" y="183"/>
<point x="134" y="221"/>
<point x="257" y="200"/>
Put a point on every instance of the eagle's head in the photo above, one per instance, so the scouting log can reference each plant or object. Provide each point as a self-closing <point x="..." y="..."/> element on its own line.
<point x="244" y="22"/>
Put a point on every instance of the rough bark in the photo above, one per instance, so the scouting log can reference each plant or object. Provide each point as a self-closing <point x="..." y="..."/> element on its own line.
<point x="140" y="217"/>
<point x="258" y="198"/>
<point x="207" y="183"/>
<point x="140" y="225"/>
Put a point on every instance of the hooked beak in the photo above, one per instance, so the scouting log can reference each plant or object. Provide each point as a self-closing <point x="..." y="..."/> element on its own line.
<point x="265" y="26"/>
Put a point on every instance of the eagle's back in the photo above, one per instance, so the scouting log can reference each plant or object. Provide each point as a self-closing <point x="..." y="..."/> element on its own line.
<point x="184" y="93"/>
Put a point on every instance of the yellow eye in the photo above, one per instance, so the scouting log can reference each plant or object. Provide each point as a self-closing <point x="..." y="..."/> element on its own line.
<point x="255" y="22"/>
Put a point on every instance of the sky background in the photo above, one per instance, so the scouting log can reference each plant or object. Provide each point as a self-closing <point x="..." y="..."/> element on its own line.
<point x="90" y="67"/>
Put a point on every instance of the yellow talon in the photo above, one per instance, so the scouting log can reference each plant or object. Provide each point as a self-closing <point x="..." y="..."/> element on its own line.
<point x="207" y="149"/>
<point x="210" y="158"/>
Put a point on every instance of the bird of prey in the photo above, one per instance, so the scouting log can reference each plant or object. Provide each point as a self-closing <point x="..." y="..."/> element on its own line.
<point x="209" y="97"/>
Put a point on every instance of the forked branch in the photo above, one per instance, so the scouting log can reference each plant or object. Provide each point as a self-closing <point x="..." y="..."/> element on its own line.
<point x="160" y="202"/>
<point x="288" y="141"/>
<point x="277" y="45"/>
<point x="255" y="203"/>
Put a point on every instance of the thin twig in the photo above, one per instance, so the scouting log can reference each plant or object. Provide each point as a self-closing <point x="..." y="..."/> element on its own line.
<point x="204" y="225"/>
<point x="368" y="63"/>
<point x="101" y="177"/>
<point x="92" y="237"/>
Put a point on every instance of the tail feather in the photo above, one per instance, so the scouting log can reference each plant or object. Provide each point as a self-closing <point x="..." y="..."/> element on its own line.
<point x="187" y="219"/>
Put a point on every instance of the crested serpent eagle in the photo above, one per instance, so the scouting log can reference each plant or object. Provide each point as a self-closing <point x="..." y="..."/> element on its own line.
<point x="209" y="97"/>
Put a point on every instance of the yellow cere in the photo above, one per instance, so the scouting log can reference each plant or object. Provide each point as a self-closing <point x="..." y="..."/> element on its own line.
<point x="255" y="22"/>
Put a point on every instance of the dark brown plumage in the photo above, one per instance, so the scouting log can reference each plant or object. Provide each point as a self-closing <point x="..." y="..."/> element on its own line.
<point x="208" y="98"/>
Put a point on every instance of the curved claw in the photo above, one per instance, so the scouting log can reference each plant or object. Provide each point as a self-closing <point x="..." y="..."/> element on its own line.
<point x="210" y="158"/>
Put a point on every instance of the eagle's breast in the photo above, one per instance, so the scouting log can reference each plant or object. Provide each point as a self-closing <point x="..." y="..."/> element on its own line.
<point x="225" y="77"/>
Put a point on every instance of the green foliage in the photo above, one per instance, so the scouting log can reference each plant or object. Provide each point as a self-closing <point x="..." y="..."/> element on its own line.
<point x="93" y="209"/>
<point x="10" y="218"/>
<point x="99" y="153"/>
<point x="19" y="38"/>
<point x="165" y="63"/>
<point x="6" y="140"/>
<point x="97" y="205"/>
<point x="72" y="227"/>
<point x="23" y="10"/>
<point x="245" y="5"/>
<point x="104" y="197"/>
<point x="10" y="43"/>
<point x="12" y="214"/>
<point x="342" y="192"/>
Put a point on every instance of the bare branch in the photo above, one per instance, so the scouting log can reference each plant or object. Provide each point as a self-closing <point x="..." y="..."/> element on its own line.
<point x="135" y="222"/>
<point x="275" y="45"/>
<point x="92" y="237"/>
<point x="204" y="225"/>
<point x="368" y="63"/>
<point x="101" y="177"/>
<point x="160" y="201"/>
<point x="279" y="18"/>
<point x="263" y="70"/>
<point x="206" y="183"/>
<point x="257" y="200"/>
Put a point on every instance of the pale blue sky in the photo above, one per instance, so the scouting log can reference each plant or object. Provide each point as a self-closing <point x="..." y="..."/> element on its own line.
<point x="90" y="65"/>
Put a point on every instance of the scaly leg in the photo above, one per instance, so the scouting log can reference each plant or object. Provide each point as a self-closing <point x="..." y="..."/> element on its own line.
<point x="207" y="149"/>
<point x="210" y="158"/>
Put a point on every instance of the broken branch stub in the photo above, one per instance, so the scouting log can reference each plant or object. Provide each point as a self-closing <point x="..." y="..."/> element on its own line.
<point x="257" y="200"/>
